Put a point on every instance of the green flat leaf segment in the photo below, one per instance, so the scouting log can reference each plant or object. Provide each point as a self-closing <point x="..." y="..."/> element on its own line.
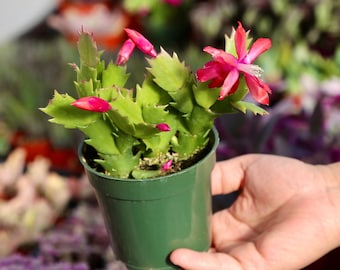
<point x="122" y="164"/>
<point x="247" y="106"/>
<point x="101" y="137"/>
<point x="159" y="144"/>
<point x="150" y="93"/>
<point x="205" y="96"/>
<point x="173" y="77"/>
<point x="127" y="107"/>
<point x="84" y="88"/>
<point x="183" y="99"/>
<point x="63" y="113"/>
<point x="154" y="114"/>
<point x="169" y="73"/>
<point x="114" y="75"/>
<point x="128" y="116"/>
<point x="87" y="49"/>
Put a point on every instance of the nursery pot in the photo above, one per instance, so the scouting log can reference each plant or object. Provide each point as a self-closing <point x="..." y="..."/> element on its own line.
<point x="147" y="219"/>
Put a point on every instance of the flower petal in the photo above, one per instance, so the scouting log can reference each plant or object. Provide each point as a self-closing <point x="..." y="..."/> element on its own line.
<point x="125" y="52"/>
<point x="212" y="51"/>
<point x="93" y="104"/>
<point x="210" y="70"/>
<point x="241" y="41"/>
<point x="221" y="56"/>
<point x="259" y="46"/>
<point x="229" y="83"/>
<point x="141" y="42"/>
<point x="258" y="89"/>
<point x="216" y="82"/>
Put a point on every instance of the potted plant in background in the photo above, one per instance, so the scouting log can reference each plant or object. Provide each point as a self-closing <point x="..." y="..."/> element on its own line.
<point x="149" y="151"/>
<point x="21" y="124"/>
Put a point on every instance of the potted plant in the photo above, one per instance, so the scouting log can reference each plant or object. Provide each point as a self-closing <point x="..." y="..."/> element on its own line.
<point x="149" y="151"/>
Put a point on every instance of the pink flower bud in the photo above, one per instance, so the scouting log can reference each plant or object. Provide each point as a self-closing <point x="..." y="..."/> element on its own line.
<point x="163" y="127"/>
<point x="93" y="104"/>
<point x="125" y="52"/>
<point x="167" y="166"/>
<point x="141" y="42"/>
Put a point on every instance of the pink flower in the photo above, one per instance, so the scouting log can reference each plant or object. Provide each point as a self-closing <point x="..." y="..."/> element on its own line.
<point x="125" y="52"/>
<point x="93" y="104"/>
<point x="225" y="69"/>
<point x="167" y="166"/>
<point x="163" y="127"/>
<point x="141" y="42"/>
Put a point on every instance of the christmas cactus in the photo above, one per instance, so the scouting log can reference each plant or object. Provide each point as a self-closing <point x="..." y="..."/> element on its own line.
<point x="166" y="120"/>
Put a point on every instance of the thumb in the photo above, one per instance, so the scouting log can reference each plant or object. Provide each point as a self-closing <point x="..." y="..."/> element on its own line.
<point x="228" y="175"/>
<point x="193" y="260"/>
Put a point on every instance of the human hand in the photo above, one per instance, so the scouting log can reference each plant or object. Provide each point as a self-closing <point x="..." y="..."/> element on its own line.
<point x="286" y="216"/>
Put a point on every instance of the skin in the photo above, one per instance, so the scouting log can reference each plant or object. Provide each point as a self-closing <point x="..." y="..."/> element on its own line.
<point x="286" y="216"/>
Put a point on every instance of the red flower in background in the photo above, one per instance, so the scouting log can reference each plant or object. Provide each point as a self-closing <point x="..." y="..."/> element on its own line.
<point x="102" y="18"/>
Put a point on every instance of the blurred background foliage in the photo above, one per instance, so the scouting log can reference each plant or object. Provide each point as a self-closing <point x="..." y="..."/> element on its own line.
<point x="302" y="67"/>
<point x="30" y="71"/>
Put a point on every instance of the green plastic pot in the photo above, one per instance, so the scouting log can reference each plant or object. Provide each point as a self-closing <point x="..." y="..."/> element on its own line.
<point x="147" y="219"/>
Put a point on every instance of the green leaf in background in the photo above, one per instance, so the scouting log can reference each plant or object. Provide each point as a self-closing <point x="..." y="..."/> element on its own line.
<point x="135" y="6"/>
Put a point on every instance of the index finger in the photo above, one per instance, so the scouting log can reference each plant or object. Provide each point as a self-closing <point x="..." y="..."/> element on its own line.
<point x="228" y="176"/>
